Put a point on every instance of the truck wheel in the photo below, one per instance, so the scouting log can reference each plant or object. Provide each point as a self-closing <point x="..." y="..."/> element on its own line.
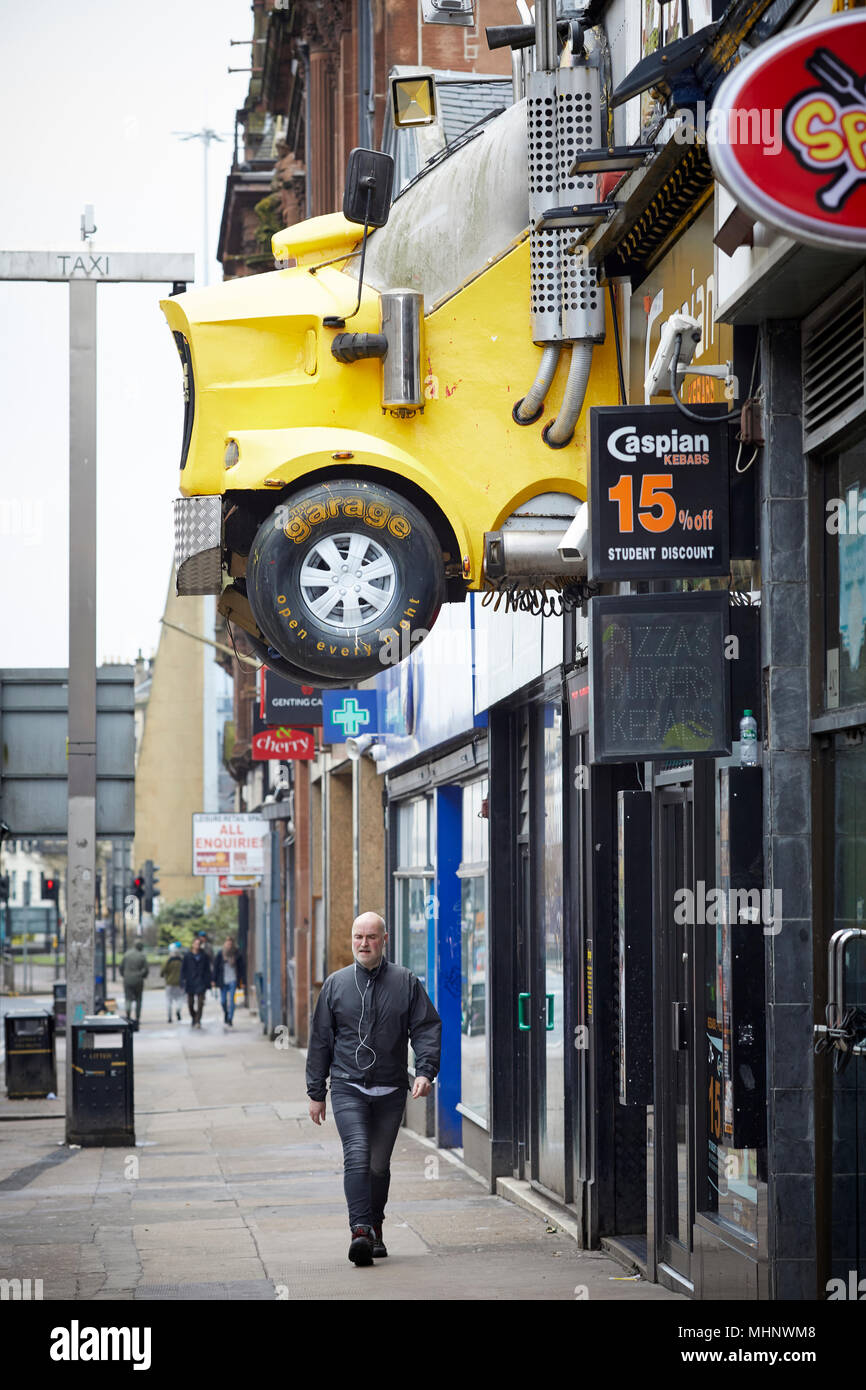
<point x="344" y="578"/>
<point x="281" y="667"/>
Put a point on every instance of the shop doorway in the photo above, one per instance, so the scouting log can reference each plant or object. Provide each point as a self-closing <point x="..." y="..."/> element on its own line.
<point x="846" y="852"/>
<point x="543" y="1003"/>
<point x="674" y="972"/>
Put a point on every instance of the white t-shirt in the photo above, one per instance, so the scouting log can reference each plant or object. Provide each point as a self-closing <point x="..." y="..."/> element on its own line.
<point x="373" y="1090"/>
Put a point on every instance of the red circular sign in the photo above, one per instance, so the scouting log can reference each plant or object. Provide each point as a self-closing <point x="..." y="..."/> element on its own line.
<point x="787" y="133"/>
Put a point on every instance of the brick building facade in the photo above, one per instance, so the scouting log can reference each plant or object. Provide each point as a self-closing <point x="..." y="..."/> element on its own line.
<point x="318" y="88"/>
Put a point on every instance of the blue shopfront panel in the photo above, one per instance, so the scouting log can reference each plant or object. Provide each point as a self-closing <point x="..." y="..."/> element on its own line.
<point x="445" y="937"/>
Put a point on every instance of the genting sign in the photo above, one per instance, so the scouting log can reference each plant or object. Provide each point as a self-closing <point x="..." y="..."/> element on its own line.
<point x="811" y="184"/>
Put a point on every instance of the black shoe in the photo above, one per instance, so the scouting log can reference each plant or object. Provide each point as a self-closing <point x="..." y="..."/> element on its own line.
<point x="379" y="1247"/>
<point x="229" y="1022"/>
<point x="178" y="1015"/>
<point x="361" y="1248"/>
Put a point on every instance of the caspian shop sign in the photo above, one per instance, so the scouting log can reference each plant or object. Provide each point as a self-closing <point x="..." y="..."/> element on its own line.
<point x="811" y="183"/>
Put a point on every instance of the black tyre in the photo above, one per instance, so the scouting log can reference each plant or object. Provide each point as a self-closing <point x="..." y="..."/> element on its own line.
<point x="281" y="667"/>
<point x="344" y="578"/>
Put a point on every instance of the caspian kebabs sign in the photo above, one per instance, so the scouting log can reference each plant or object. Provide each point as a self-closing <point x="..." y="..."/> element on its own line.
<point x="809" y="184"/>
<point x="659" y="505"/>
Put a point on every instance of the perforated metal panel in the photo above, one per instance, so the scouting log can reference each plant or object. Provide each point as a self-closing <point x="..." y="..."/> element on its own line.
<point x="563" y="118"/>
<point x="544" y="247"/>
<point x="578" y="126"/>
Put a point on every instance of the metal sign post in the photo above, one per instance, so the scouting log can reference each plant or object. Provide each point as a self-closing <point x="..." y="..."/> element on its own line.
<point x="83" y="271"/>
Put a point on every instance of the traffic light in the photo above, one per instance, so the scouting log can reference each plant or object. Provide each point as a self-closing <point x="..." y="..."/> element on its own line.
<point x="50" y="888"/>
<point x="151" y="884"/>
<point x="138" y="887"/>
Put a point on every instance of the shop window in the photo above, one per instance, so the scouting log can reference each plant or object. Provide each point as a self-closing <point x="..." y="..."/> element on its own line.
<point x="731" y="1193"/>
<point x="413" y="904"/>
<point x="414" y="875"/>
<point x="845" y="577"/>
<point x="473" y="871"/>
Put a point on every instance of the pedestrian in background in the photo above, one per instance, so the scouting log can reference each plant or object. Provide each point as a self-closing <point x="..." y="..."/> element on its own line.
<point x="228" y="976"/>
<point x="195" y="978"/>
<point x="170" y="972"/>
<point x="133" y="972"/>
<point x="209" y="952"/>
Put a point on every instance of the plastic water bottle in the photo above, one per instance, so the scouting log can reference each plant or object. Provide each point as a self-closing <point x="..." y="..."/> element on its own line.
<point x="748" y="740"/>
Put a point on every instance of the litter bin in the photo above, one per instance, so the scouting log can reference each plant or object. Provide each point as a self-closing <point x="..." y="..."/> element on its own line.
<point x="30" y="1065"/>
<point x="102" y="1098"/>
<point x="59" y="1004"/>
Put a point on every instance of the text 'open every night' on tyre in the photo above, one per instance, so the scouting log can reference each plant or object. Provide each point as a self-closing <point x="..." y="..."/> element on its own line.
<point x="339" y="568"/>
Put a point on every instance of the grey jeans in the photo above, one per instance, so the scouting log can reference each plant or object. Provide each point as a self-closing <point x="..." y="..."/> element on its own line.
<point x="367" y="1126"/>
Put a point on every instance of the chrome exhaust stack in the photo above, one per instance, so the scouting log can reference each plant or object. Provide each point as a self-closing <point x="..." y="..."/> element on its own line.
<point x="402" y="318"/>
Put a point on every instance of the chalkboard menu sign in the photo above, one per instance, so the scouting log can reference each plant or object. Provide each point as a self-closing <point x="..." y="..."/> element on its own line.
<point x="658" y="677"/>
<point x="659" y="493"/>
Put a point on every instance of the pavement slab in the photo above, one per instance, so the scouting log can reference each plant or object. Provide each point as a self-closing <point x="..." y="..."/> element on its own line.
<point x="231" y="1193"/>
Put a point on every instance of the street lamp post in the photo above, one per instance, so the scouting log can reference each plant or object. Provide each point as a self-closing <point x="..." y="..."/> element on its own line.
<point x="206" y="135"/>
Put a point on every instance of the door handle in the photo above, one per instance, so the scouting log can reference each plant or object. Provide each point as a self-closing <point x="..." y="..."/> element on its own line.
<point x="679" y="1029"/>
<point x="549" y="1026"/>
<point x="522" y="1001"/>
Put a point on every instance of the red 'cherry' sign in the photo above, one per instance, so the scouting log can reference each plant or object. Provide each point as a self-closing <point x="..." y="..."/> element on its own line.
<point x="790" y="124"/>
<point x="288" y="745"/>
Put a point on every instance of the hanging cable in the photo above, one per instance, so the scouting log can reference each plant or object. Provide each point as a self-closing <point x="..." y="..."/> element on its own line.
<point x="541" y="597"/>
<point x="759" y="398"/>
<point x="623" y="396"/>
<point x="675" y="390"/>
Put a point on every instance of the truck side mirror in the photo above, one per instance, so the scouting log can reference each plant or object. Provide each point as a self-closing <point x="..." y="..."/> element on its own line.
<point x="369" y="182"/>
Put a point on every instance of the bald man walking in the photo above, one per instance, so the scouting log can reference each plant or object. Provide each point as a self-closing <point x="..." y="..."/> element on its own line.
<point x="365" y="1017"/>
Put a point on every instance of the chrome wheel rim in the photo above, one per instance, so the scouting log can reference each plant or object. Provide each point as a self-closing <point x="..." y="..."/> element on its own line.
<point x="347" y="580"/>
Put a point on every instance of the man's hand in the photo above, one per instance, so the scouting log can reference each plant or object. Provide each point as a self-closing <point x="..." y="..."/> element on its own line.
<point x="317" y="1111"/>
<point x="422" y="1087"/>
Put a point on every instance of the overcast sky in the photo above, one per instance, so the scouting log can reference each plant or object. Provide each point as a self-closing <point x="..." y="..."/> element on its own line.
<point x="90" y="94"/>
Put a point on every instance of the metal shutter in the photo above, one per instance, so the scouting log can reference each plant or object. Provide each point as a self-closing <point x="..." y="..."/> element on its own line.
<point x="834" y="363"/>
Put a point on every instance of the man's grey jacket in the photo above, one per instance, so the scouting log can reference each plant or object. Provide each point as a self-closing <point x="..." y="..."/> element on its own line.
<point x="396" y="1010"/>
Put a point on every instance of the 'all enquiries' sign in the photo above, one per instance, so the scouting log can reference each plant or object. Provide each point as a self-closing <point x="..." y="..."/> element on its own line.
<point x="283" y="743"/>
